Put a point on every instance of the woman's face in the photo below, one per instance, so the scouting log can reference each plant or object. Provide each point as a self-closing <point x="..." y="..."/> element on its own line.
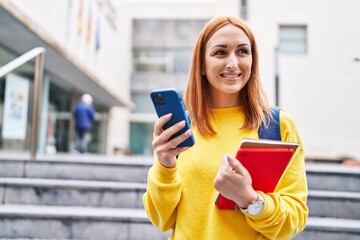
<point x="228" y="63"/>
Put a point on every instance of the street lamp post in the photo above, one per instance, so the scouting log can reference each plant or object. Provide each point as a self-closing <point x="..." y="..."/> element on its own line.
<point x="277" y="79"/>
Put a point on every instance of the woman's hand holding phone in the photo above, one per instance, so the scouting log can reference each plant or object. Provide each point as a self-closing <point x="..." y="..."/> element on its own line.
<point x="164" y="145"/>
<point x="172" y="131"/>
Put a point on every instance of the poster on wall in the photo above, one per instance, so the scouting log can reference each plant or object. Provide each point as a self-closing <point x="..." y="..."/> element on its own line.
<point x="15" y="107"/>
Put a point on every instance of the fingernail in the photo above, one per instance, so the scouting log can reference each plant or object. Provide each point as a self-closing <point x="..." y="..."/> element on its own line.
<point x="229" y="157"/>
<point x="182" y="123"/>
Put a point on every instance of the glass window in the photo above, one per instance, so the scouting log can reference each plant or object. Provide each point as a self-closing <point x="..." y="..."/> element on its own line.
<point x="141" y="138"/>
<point x="150" y="60"/>
<point x="161" y="60"/>
<point x="150" y="68"/>
<point x="243" y="10"/>
<point x="153" y="53"/>
<point x="15" y="142"/>
<point x="182" y="60"/>
<point x="142" y="102"/>
<point x="293" y="39"/>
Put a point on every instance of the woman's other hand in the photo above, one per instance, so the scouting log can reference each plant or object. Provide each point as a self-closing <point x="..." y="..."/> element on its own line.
<point x="233" y="181"/>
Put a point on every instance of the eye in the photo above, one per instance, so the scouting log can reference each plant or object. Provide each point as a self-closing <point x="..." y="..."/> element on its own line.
<point x="219" y="52"/>
<point x="243" y="51"/>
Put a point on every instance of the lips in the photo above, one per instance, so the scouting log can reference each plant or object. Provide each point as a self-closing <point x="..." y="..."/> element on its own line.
<point x="230" y="75"/>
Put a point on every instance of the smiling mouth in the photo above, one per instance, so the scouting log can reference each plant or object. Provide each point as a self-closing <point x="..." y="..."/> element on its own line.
<point x="227" y="75"/>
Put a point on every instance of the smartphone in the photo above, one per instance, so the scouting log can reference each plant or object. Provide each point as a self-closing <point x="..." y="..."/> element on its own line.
<point x="169" y="101"/>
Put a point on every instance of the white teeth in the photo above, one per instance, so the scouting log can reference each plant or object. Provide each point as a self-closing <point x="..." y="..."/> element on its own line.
<point x="230" y="76"/>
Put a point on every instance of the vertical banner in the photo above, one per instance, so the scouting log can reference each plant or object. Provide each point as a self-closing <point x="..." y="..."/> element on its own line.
<point x="89" y="29"/>
<point x="15" y="107"/>
<point x="97" y="33"/>
<point x="80" y="17"/>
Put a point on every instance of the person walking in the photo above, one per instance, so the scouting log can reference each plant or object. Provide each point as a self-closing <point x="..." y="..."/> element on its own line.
<point x="226" y="104"/>
<point x="84" y="115"/>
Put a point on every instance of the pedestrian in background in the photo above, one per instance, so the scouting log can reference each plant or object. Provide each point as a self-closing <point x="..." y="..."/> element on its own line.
<point x="226" y="104"/>
<point x="84" y="115"/>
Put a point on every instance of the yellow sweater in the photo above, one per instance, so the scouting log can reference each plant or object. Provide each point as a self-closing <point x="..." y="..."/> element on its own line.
<point x="182" y="198"/>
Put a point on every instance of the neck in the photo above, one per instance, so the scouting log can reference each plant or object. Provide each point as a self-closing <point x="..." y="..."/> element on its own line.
<point x="225" y="100"/>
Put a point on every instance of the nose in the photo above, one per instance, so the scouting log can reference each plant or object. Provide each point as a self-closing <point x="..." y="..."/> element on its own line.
<point x="233" y="62"/>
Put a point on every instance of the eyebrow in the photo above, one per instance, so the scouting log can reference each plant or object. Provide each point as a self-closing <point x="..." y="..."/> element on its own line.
<point x="225" y="46"/>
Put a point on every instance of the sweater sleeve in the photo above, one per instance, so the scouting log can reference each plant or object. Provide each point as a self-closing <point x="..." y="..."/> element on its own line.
<point x="162" y="195"/>
<point x="285" y="212"/>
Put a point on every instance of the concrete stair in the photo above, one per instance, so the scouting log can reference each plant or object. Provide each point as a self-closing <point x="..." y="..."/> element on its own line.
<point x="97" y="197"/>
<point x="74" y="197"/>
<point x="84" y="193"/>
<point x="79" y="167"/>
<point x="333" y="177"/>
<point x="334" y="202"/>
<point x="59" y="222"/>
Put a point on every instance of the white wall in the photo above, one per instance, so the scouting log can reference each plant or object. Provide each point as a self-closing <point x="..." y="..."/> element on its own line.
<point x="320" y="88"/>
<point x="180" y="9"/>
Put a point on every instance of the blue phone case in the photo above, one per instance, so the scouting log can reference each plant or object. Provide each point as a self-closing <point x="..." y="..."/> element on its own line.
<point x="169" y="101"/>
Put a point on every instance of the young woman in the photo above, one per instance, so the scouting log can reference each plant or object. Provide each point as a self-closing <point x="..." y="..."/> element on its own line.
<point x="226" y="104"/>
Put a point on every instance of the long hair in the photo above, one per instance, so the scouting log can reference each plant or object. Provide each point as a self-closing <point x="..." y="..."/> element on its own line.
<point x="197" y="96"/>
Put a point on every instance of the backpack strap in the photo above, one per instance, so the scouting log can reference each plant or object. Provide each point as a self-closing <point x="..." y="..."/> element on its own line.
<point x="272" y="132"/>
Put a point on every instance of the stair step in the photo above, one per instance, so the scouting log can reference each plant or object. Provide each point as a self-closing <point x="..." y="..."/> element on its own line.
<point x="334" y="177"/>
<point x="47" y="193"/>
<point x="79" y="167"/>
<point x="79" y="184"/>
<point x="76" y="213"/>
<point x="71" y="192"/>
<point x="330" y="229"/>
<point x="18" y="221"/>
<point x="326" y="204"/>
<point x="332" y="168"/>
<point x="113" y="194"/>
<point x="341" y="195"/>
<point x="128" y="168"/>
<point x="334" y="224"/>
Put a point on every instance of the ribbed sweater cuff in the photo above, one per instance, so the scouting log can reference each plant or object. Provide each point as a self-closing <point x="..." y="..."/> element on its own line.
<point x="164" y="174"/>
<point x="268" y="208"/>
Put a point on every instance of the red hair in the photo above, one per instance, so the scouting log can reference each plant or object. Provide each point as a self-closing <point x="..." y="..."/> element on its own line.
<point x="197" y="96"/>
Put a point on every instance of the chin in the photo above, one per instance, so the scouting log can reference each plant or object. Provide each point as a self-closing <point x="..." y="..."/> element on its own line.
<point x="232" y="90"/>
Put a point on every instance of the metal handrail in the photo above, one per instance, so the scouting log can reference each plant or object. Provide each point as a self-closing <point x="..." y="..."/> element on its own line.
<point x="37" y="53"/>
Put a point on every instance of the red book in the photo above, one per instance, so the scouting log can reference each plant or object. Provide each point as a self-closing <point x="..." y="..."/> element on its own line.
<point x="266" y="161"/>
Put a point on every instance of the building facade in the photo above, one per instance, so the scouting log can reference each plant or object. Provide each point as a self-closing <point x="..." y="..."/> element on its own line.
<point x="163" y="36"/>
<point x="119" y="51"/>
<point x="83" y="55"/>
<point x="309" y="63"/>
